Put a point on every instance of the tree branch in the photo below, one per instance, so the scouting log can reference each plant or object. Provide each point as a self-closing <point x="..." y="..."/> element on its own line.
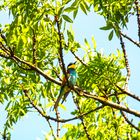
<point x="61" y="62"/>
<point x="128" y="93"/>
<point x="3" y="37"/>
<point x="126" y="119"/>
<point x="106" y="102"/>
<point x="79" y="59"/>
<point x="82" y="119"/>
<point x="42" y="113"/>
<point x="58" y="123"/>
<point x="51" y="129"/>
<point x="130" y="39"/>
<point x="36" y="69"/>
<point x="138" y="17"/>
<point x="33" y="67"/>
<point x="126" y="60"/>
<point x="4" y="56"/>
<point x="34" y="48"/>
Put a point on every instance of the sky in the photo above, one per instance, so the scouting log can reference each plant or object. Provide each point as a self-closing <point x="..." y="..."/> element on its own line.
<point x="32" y="126"/>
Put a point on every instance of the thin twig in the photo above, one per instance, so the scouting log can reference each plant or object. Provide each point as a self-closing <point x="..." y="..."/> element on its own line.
<point x="17" y="59"/>
<point x="126" y="60"/>
<point x="82" y="119"/>
<point x="61" y="61"/>
<point x="34" y="48"/>
<point x="138" y="17"/>
<point x="128" y="93"/>
<point x="126" y="119"/>
<point x="56" y="73"/>
<point x="10" y="50"/>
<point x="4" y="49"/>
<point x="51" y="129"/>
<point x="3" y="37"/>
<point x="78" y="59"/>
<point x="41" y="112"/>
<point x="84" y="64"/>
<point x="130" y="39"/>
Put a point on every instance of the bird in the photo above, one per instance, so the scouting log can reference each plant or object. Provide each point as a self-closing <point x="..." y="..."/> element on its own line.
<point x="66" y="86"/>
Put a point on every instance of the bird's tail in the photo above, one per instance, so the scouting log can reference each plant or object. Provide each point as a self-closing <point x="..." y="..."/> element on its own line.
<point x="59" y="97"/>
<point x="63" y="92"/>
<point x="65" y="96"/>
<point x="57" y="102"/>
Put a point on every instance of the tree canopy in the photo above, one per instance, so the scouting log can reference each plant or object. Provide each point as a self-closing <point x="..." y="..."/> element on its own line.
<point x="32" y="49"/>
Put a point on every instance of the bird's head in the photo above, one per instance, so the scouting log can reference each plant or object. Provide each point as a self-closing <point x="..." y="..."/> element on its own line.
<point x="71" y="65"/>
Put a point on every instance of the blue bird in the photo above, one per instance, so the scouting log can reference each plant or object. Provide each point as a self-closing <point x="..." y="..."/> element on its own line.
<point x="66" y="87"/>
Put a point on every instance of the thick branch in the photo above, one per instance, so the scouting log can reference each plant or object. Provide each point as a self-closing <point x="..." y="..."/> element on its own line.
<point x="33" y="67"/>
<point x="106" y="102"/>
<point x="36" y="69"/>
<point x="4" y="56"/>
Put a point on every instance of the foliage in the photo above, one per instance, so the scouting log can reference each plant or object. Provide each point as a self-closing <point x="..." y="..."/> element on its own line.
<point x="31" y="50"/>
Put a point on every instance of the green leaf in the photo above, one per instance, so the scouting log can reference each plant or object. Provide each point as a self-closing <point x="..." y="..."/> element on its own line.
<point x="83" y="8"/>
<point x="75" y="13"/>
<point x="66" y="18"/>
<point x="60" y="11"/>
<point x="7" y="80"/>
<point x="70" y="36"/>
<point x="70" y="9"/>
<point x="86" y="43"/>
<point x="108" y="27"/>
<point x="111" y="35"/>
<point x="94" y="43"/>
